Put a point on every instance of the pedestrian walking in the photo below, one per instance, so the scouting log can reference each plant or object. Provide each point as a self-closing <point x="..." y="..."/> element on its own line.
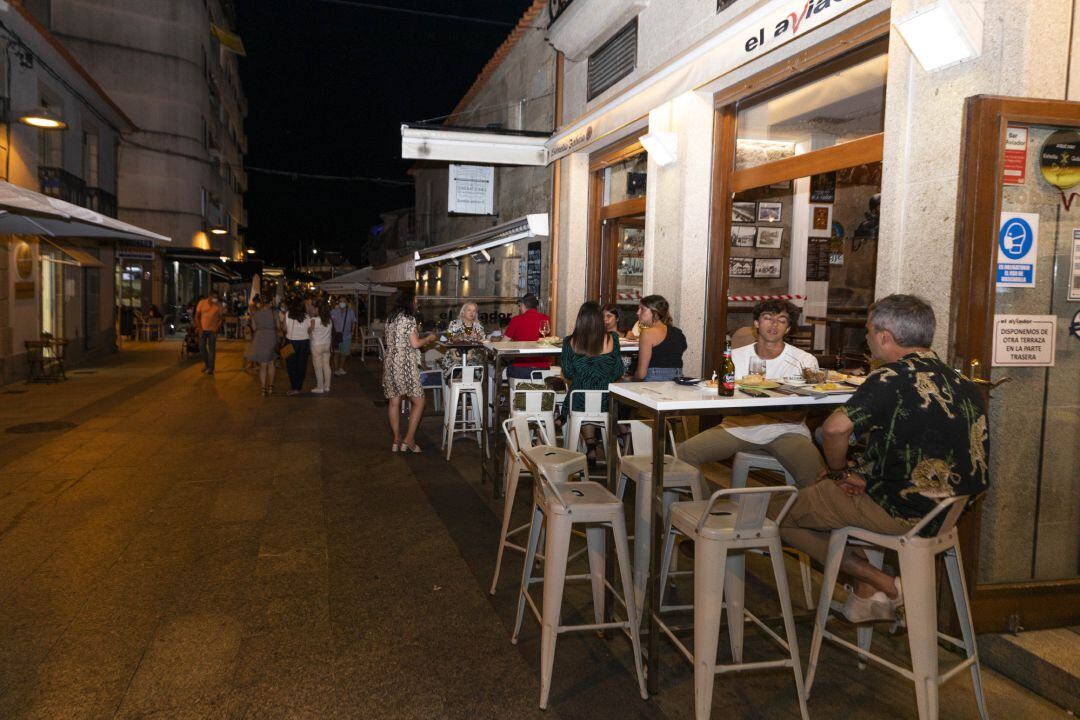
<point x="344" y="321"/>
<point x="322" y="331"/>
<point x="298" y="326"/>
<point x="401" y="370"/>
<point x="209" y="315"/>
<point x="265" y="331"/>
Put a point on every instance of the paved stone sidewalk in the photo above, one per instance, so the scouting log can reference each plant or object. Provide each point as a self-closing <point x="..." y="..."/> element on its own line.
<point x="192" y="549"/>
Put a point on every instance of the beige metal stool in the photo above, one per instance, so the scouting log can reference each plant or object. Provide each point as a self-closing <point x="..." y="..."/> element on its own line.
<point x="725" y="526"/>
<point x="918" y="557"/>
<point x="558" y="506"/>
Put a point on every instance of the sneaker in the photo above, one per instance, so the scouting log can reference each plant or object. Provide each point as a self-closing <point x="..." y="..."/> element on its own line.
<point x="862" y="610"/>
<point x="339" y="372"/>
<point x="317" y="391"/>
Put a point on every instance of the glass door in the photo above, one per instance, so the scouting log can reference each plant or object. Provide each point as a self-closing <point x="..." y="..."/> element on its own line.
<point x="1018" y="291"/>
<point x="626" y="242"/>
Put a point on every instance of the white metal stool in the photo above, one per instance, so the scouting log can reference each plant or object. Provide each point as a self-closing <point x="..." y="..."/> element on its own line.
<point x="464" y="408"/>
<point x="518" y="432"/>
<point x="532" y="405"/>
<point x="680" y="478"/>
<point x="557" y="506"/>
<point x="741" y="465"/>
<point x="592" y="413"/>
<point x="722" y="527"/>
<point x="918" y="557"/>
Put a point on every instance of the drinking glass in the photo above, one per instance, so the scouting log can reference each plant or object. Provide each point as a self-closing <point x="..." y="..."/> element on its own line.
<point x="757" y="365"/>
<point x="545" y="329"/>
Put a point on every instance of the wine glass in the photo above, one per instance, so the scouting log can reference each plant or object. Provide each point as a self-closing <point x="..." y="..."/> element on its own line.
<point x="757" y="366"/>
<point x="545" y="329"/>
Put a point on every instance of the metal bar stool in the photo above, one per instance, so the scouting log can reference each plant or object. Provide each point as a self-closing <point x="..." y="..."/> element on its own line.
<point x="918" y="557"/>
<point x="558" y="506"/>
<point x="722" y="527"/>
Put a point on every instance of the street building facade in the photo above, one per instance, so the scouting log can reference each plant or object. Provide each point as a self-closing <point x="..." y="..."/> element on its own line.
<point x="173" y="67"/>
<point x="54" y="283"/>
<point x="514" y="95"/>
<point x="832" y="152"/>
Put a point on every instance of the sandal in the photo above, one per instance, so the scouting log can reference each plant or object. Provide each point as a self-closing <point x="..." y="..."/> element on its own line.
<point x="394" y="447"/>
<point x="414" y="448"/>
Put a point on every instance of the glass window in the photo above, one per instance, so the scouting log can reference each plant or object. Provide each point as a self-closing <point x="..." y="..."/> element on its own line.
<point x="629" y="260"/>
<point x="842" y="106"/>
<point x="625" y="180"/>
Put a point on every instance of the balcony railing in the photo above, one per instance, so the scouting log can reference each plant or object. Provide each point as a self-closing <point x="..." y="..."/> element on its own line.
<point x="101" y="201"/>
<point x="59" y="183"/>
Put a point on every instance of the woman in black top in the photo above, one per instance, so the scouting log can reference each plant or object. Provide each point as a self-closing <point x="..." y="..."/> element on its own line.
<point x="662" y="344"/>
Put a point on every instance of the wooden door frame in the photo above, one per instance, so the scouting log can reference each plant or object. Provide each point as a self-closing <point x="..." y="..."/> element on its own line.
<point x="1045" y="603"/>
<point x="853" y="45"/>
<point x="599" y="213"/>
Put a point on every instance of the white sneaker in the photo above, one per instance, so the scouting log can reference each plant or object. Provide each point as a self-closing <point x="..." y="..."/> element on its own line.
<point x="339" y="372"/>
<point x="876" y="608"/>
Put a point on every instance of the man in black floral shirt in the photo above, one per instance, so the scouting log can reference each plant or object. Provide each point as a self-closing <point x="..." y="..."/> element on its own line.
<point x="924" y="429"/>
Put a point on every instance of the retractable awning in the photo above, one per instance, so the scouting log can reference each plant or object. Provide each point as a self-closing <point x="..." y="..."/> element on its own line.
<point x="421" y="141"/>
<point x="78" y="257"/>
<point x="403" y="270"/>
<point x="206" y="260"/>
<point x="27" y="212"/>
<point x="357" y="281"/>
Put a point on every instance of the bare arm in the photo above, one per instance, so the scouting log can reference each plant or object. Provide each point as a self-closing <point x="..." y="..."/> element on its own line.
<point x="417" y="342"/>
<point x="645" y="347"/>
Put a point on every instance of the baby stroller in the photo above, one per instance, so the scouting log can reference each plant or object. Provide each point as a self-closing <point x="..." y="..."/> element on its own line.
<point x="190" y="345"/>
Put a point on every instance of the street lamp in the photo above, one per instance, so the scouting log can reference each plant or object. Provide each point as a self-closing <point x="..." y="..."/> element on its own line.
<point x="42" y="117"/>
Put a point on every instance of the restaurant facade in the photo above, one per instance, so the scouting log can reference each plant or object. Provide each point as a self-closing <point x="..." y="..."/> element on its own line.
<point x="833" y="152"/>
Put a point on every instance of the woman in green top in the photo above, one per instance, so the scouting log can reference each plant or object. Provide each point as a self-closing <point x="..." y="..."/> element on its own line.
<point x="590" y="361"/>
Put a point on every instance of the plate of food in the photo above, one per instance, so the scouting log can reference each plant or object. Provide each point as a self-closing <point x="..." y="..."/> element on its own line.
<point x="855" y="380"/>
<point x="830" y="388"/>
<point x="794" y="380"/>
<point x="757" y="382"/>
<point x="710" y="385"/>
<point x="550" y="341"/>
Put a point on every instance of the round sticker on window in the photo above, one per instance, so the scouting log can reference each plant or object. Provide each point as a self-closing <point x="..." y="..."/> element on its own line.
<point x="1060" y="159"/>
<point x="1074" y="326"/>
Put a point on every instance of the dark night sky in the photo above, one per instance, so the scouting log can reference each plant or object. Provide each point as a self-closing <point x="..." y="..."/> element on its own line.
<point x="328" y="86"/>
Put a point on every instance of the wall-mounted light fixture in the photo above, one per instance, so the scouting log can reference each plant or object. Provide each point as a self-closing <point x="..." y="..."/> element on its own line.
<point x="224" y="258"/>
<point x="43" y="118"/>
<point x="250" y="251"/>
<point x="944" y="33"/>
<point x="662" y="146"/>
<point x="218" y="230"/>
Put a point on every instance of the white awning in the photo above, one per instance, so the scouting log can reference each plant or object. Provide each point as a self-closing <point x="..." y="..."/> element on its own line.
<point x="745" y="39"/>
<point x="357" y="281"/>
<point x="24" y="211"/>
<point x="472" y="145"/>
<point x="404" y="269"/>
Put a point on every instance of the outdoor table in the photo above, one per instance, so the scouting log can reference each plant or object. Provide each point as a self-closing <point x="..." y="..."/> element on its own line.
<point x="659" y="401"/>
<point x="506" y="351"/>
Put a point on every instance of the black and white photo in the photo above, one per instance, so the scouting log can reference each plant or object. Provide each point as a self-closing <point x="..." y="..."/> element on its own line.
<point x="741" y="267"/>
<point x="743" y="212"/>
<point x="767" y="268"/>
<point x="769" y="212"/>
<point x="770" y="238"/>
<point x="743" y="236"/>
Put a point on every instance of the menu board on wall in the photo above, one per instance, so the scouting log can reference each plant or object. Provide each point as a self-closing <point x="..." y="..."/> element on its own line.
<point x="533" y="268"/>
<point x="472" y="190"/>
<point x="817" y="259"/>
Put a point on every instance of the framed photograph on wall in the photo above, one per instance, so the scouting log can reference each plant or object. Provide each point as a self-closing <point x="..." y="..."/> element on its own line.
<point x="743" y="212"/>
<point x="766" y="268"/>
<point x="820" y="220"/>
<point x="769" y="237"/>
<point x="743" y="236"/>
<point x="740" y="267"/>
<point x="769" y="212"/>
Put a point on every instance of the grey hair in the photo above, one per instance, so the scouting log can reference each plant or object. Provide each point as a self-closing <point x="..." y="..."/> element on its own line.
<point x="909" y="318"/>
<point x="461" y="312"/>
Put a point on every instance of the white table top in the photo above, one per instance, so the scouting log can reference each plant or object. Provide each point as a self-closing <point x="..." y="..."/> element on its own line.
<point x="531" y="347"/>
<point x="667" y="395"/>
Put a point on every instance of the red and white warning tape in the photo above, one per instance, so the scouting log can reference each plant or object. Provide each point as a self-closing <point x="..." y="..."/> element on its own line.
<point x="759" y="298"/>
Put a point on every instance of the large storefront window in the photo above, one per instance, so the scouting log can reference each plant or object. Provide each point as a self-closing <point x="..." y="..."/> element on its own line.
<point x="802" y="223"/>
<point x="52" y="294"/>
<point x="616" y="269"/>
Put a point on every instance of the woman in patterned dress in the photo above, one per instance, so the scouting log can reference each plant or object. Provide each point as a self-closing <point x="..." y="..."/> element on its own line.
<point x="467" y="318"/>
<point x="401" y="371"/>
<point x="590" y="361"/>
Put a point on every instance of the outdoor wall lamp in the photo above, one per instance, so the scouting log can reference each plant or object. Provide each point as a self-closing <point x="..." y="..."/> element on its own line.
<point x="662" y="147"/>
<point x="218" y="230"/>
<point x="42" y="117"/>
<point x="944" y="33"/>
<point x="250" y="251"/>
<point x="224" y="258"/>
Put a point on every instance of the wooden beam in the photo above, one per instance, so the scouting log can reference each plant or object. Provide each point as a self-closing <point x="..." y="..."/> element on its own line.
<point x="849" y="154"/>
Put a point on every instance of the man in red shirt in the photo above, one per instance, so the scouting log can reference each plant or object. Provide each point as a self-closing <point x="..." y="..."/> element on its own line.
<point x="526" y="326"/>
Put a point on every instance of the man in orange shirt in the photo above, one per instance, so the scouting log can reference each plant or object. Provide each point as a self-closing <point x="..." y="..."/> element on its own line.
<point x="209" y="315"/>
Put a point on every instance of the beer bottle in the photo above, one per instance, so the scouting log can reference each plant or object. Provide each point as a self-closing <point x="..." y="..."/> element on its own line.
<point x="726" y="388"/>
